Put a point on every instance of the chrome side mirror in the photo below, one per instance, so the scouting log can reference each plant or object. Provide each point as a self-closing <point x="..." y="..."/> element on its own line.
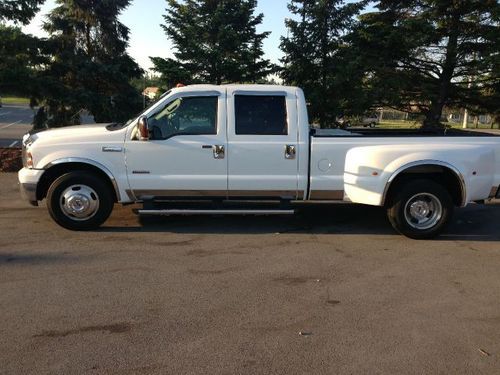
<point x="143" y="128"/>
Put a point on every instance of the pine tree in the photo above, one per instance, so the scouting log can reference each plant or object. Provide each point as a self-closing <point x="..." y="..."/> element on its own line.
<point x="20" y="57"/>
<point x="21" y="11"/>
<point x="428" y="54"/>
<point x="313" y="53"/>
<point x="90" y="68"/>
<point x="20" y="54"/>
<point x="215" y="41"/>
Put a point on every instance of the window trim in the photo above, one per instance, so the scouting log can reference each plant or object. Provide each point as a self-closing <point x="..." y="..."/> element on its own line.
<point x="193" y="95"/>
<point x="259" y="93"/>
<point x="269" y="94"/>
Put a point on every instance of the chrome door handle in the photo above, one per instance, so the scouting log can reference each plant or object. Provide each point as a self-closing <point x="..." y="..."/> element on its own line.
<point x="290" y="152"/>
<point x="219" y="151"/>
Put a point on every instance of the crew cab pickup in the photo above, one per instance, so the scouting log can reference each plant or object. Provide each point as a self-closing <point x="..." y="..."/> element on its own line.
<point x="238" y="146"/>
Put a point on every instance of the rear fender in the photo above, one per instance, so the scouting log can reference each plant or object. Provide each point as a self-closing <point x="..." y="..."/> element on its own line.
<point x="369" y="171"/>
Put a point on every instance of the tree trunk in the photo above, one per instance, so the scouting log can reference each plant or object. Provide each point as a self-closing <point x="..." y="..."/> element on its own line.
<point x="465" y="119"/>
<point x="433" y="115"/>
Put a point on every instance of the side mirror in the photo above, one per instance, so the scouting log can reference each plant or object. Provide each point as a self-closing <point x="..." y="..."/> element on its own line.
<point x="143" y="128"/>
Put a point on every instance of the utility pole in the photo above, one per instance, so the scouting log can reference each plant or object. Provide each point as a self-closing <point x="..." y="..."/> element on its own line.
<point x="144" y="91"/>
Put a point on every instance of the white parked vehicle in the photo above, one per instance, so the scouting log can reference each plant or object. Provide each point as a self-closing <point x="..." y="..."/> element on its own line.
<point x="369" y="120"/>
<point x="251" y="143"/>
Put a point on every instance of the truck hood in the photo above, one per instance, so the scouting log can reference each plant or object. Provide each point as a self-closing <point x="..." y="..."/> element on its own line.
<point x="77" y="134"/>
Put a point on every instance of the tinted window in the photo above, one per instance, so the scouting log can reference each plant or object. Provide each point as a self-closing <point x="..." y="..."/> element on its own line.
<point x="262" y="115"/>
<point x="188" y="116"/>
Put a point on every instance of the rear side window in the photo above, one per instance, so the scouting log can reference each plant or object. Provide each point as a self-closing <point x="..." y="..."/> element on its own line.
<point x="260" y="115"/>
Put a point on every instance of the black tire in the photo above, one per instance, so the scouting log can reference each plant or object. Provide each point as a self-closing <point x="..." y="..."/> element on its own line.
<point x="101" y="193"/>
<point x="373" y="125"/>
<point x="428" y="192"/>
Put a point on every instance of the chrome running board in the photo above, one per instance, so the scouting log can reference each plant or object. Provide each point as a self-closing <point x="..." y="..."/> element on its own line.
<point x="214" y="212"/>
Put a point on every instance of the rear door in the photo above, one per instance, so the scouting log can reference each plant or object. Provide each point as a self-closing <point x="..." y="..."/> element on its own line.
<point x="262" y="144"/>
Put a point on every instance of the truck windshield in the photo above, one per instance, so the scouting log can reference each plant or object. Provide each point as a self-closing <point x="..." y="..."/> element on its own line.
<point x="116" y="126"/>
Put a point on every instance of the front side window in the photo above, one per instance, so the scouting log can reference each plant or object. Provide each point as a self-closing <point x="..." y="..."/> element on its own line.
<point x="185" y="116"/>
<point x="260" y="115"/>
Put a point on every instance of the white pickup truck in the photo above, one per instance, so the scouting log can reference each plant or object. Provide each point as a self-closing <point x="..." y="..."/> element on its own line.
<point x="237" y="146"/>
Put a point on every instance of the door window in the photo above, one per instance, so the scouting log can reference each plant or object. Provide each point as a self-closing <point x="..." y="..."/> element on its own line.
<point x="185" y="116"/>
<point x="260" y="115"/>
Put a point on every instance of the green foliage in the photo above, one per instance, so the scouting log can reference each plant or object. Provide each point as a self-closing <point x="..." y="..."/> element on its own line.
<point x="20" y="57"/>
<point x="215" y="42"/>
<point x="423" y="55"/>
<point x="172" y="72"/>
<point x="21" y="11"/>
<point x="20" y="54"/>
<point x="146" y="80"/>
<point x="313" y="59"/>
<point x="89" y="68"/>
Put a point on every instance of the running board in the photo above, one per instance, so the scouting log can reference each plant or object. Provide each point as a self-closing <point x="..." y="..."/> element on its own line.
<point x="214" y="212"/>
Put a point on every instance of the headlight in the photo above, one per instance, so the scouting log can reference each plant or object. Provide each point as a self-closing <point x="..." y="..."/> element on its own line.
<point x="29" y="160"/>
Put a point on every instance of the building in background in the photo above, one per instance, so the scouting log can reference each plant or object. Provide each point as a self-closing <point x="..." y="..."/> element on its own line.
<point x="151" y="92"/>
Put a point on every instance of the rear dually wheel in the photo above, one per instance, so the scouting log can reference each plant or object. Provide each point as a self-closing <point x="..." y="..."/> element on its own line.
<point x="420" y="209"/>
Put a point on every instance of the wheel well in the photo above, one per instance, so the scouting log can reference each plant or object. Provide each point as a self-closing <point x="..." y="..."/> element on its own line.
<point x="58" y="170"/>
<point x="437" y="173"/>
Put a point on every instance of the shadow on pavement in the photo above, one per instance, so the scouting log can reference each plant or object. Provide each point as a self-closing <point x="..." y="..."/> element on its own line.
<point x="32" y="259"/>
<point x="474" y="223"/>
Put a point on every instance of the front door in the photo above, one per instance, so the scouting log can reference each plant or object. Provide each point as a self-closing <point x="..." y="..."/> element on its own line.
<point x="186" y="156"/>
<point x="262" y="144"/>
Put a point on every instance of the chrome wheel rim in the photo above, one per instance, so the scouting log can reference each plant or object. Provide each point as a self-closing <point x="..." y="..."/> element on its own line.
<point x="423" y="211"/>
<point x="79" y="202"/>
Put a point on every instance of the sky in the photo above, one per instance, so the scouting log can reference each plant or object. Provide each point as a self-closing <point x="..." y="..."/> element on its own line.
<point x="147" y="38"/>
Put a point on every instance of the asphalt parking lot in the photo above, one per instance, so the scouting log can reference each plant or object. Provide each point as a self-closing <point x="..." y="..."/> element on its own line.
<point x="209" y="295"/>
<point x="15" y="120"/>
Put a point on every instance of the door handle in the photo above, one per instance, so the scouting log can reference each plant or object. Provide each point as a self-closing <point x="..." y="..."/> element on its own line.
<point x="219" y="151"/>
<point x="290" y="152"/>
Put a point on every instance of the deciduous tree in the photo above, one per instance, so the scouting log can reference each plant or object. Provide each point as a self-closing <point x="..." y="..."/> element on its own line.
<point x="428" y="54"/>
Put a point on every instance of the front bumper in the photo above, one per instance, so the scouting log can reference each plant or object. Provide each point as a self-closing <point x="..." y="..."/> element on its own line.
<point x="28" y="182"/>
<point x="28" y="193"/>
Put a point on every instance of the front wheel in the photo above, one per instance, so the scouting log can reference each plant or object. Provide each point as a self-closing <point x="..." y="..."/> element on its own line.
<point x="421" y="209"/>
<point x="79" y="201"/>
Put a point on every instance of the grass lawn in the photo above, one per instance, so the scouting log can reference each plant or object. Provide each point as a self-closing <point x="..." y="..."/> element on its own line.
<point x="15" y="100"/>
<point x="393" y="124"/>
